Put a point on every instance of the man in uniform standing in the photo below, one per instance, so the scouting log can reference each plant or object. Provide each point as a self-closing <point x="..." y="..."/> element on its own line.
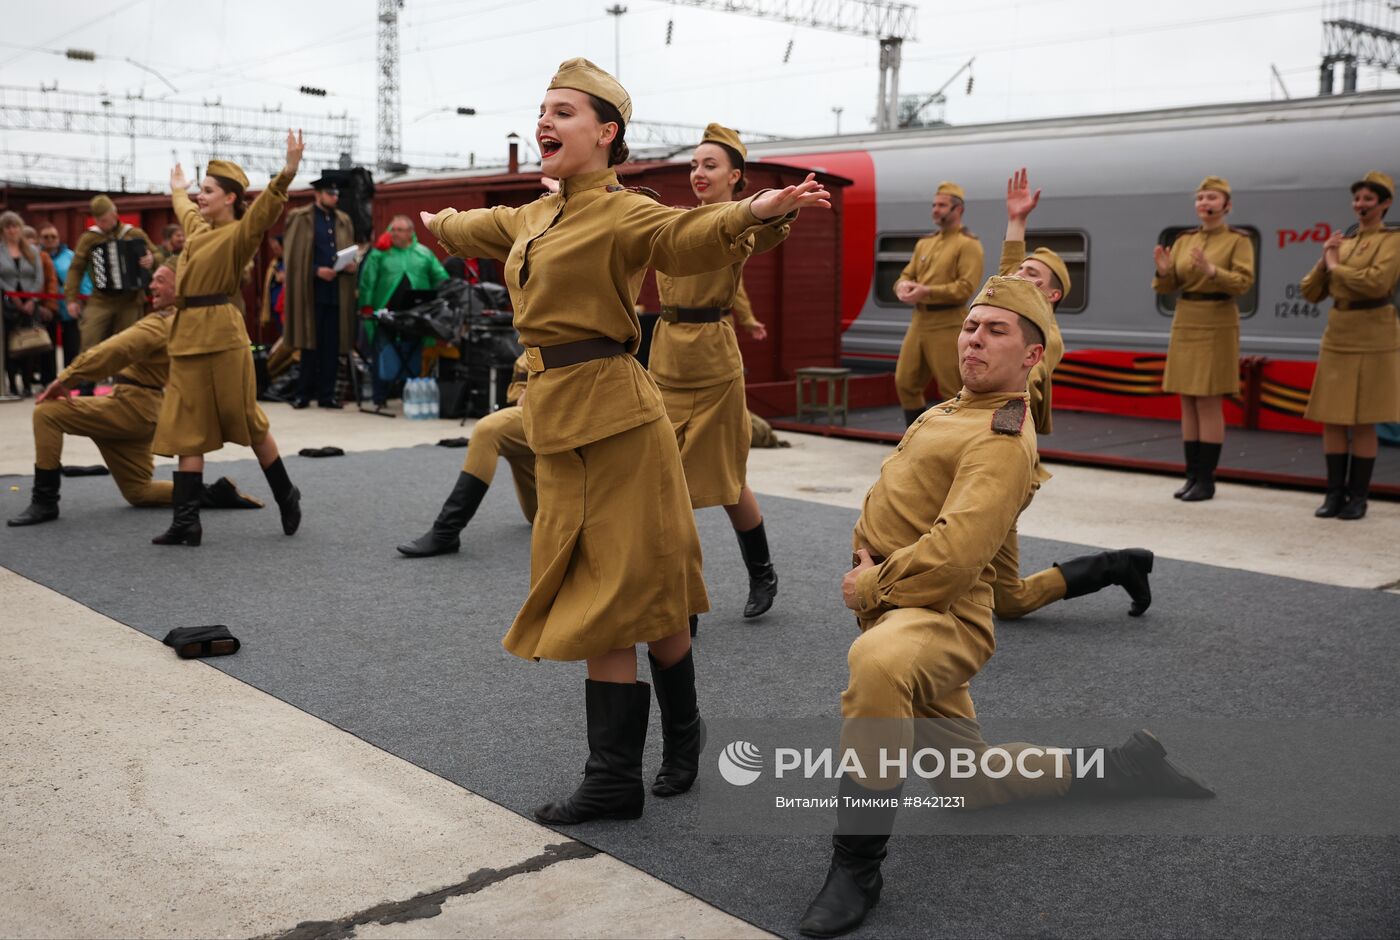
<point x="921" y="590"/>
<point x="939" y="280"/>
<point x="121" y="424"/>
<point x="1016" y="596"/>
<point x="104" y="313"/>
<point x="319" y="307"/>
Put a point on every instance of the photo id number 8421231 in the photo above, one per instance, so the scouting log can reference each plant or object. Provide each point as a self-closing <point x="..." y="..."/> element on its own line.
<point x="933" y="802"/>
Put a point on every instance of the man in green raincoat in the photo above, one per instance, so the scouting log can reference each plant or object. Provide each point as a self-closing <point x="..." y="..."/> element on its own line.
<point x="403" y="263"/>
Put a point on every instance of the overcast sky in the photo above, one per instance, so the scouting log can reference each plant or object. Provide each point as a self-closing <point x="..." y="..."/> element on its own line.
<point x="1041" y="58"/>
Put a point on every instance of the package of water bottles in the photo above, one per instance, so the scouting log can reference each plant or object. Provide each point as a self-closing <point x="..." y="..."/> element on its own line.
<point x="421" y="399"/>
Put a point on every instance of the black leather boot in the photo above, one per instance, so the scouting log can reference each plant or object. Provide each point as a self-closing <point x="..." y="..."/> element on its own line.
<point x="1204" y="486"/>
<point x="682" y="728"/>
<point x="1127" y="568"/>
<point x="694" y="624"/>
<point x="288" y="496"/>
<point x="763" y="580"/>
<point x="612" y="777"/>
<point x="853" y="881"/>
<point x="223" y="493"/>
<point x="1193" y="456"/>
<point x="1358" y="487"/>
<point x="1336" y="497"/>
<point x="1139" y="768"/>
<point x="911" y="415"/>
<point x="43" y="499"/>
<point x="444" y="536"/>
<point x="184" y="528"/>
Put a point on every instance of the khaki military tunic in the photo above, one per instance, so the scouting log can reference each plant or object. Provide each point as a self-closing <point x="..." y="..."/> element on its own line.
<point x="212" y="396"/>
<point x="1014" y="596"/>
<point x="615" y="557"/>
<point x="1203" y="354"/>
<point x="1358" y="365"/>
<point x="121" y="424"/>
<point x="950" y="264"/>
<point x="502" y="434"/>
<point x="103" y="315"/>
<point x="700" y="372"/>
<point x="935" y="518"/>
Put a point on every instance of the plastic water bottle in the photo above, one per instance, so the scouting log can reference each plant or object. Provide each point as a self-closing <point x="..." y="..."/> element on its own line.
<point x="410" y="399"/>
<point x="434" y="400"/>
<point x="420" y="398"/>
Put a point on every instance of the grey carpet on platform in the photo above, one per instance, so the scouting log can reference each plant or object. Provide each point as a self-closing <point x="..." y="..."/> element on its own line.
<point x="407" y="655"/>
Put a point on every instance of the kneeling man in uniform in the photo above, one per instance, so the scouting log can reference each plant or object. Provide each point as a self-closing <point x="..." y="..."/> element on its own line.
<point x="922" y="592"/>
<point x="121" y="424"/>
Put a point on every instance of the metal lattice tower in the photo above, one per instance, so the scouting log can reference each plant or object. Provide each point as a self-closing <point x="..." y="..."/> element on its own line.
<point x="890" y="23"/>
<point x="390" y="119"/>
<point x="255" y="138"/>
<point x="1358" y="32"/>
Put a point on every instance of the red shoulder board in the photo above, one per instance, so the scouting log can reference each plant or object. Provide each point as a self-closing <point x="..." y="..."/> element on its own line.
<point x="1009" y="418"/>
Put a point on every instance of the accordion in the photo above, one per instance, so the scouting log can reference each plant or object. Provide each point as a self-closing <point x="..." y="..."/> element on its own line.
<point x="115" y="266"/>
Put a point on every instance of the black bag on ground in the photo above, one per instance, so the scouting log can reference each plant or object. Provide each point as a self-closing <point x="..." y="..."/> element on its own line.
<point x="198" y="642"/>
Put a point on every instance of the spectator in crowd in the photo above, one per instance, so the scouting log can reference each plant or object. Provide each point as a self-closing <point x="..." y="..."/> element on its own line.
<point x="61" y="256"/>
<point x="270" y="309"/>
<point x="319" y="305"/>
<point x="398" y="264"/>
<point x="25" y="270"/>
<point x="172" y="242"/>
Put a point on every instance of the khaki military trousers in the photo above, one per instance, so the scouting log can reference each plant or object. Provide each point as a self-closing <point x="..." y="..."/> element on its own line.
<point x="121" y="425"/>
<point x="908" y="689"/>
<point x="502" y="434"/>
<point x="1015" y="596"/>
<point x="929" y="350"/>
<point x="107" y="315"/>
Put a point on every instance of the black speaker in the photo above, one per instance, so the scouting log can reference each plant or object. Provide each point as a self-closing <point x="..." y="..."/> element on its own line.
<point x="356" y="199"/>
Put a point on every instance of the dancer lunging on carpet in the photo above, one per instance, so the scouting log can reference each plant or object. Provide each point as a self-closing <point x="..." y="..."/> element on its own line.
<point x="615" y="557"/>
<point x="696" y="363"/>
<point x="499" y="434"/>
<point x="211" y="399"/>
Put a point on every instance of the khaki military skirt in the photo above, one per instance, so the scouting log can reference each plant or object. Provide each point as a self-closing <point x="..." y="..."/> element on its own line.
<point x="1203" y="355"/>
<point x="211" y="400"/>
<point x="713" y="431"/>
<point x="614" y="557"/>
<point x="1358" y="369"/>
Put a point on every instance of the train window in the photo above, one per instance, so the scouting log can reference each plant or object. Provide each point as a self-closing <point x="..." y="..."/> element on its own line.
<point x="1073" y="249"/>
<point x="1249" y="302"/>
<point x="891" y="255"/>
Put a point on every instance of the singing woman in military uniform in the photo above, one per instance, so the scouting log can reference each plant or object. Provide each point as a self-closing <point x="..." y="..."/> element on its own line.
<point x="615" y="557"/>
<point x="696" y="363"/>
<point x="1210" y="266"/>
<point x="1357" y="384"/>
<point x="211" y="397"/>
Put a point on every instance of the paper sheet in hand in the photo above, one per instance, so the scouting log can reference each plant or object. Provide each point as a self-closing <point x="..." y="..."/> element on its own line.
<point x="345" y="256"/>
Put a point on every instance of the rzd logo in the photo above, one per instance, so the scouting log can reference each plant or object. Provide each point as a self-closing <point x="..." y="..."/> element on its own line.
<point x="740" y="763"/>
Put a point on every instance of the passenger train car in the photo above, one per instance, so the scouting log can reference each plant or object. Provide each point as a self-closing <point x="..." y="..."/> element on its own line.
<point x="1113" y="186"/>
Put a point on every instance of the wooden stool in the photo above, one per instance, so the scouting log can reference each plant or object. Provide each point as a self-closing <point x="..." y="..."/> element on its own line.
<point x="808" y="379"/>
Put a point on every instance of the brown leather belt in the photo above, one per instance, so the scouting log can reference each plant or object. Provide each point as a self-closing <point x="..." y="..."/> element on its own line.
<point x="1366" y="303"/>
<point x="585" y="350"/>
<point x="204" y="300"/>
<point x="937" y="308"/>
<point x="1197" y="295"/>
<point x="692" y="314"/>
<point x="123" y="380"/>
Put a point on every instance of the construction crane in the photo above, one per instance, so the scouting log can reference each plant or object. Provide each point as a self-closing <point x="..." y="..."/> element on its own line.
<point x="390" y="122"/>
<point x="890" y="23"/>
<point x="911" y="107"/>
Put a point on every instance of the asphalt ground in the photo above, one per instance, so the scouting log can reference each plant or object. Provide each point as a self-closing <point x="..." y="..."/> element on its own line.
<point x="405" y="655"/>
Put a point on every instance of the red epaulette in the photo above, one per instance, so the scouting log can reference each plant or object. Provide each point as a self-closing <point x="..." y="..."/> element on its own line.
<point x="1010" y="417"/>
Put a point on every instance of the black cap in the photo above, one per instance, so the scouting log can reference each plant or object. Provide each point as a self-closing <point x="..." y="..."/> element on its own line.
<point x="325" y="181"/>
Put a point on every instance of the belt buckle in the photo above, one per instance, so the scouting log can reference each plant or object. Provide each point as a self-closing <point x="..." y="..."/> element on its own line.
<point x="534" y="360"/>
